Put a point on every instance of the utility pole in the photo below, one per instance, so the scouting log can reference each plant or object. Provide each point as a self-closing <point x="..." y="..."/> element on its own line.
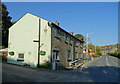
<point x="87" y="39"/>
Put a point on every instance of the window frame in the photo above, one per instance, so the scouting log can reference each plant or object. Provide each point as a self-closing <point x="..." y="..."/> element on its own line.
<point x="69" y="55"/>
<point x="76" y="55"/>
<point x="20" y="58"/>
<point x="57" y="32"/>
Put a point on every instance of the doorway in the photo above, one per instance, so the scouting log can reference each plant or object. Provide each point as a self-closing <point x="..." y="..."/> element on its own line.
<point x="54" y="59"/>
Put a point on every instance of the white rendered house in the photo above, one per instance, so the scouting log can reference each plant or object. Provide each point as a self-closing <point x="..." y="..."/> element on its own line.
<point x="24" y="41"/>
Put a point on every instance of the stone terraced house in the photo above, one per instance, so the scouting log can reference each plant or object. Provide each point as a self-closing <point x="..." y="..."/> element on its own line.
<point x="34" y="41"/>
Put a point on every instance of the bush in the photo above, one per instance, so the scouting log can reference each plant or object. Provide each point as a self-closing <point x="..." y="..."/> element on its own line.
<point x="45" y="65"/>
<point x="115" y="54"/>
<point x="3" y="58"/>
<point x="26" y="64"/>
<point x="98" y="53"/>
<point x="2" y="47"/>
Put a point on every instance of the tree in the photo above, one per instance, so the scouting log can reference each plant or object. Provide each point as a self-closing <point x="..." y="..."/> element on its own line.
<point x="6" y="24"/>
<point x="79" y="36"/>
<point x="13" y="22"/>
<point x="91" y="47"/>
<point x="94" y="48"/>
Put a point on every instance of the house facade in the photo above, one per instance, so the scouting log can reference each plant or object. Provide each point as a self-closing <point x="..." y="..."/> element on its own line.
<point x="34" y="41"/>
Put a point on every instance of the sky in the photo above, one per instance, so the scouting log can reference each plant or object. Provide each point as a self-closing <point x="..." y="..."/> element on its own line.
<point x="60" y="0"/>
<point x="101" y="18"/>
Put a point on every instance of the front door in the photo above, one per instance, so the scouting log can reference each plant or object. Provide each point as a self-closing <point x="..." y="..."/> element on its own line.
<point x="54" y="59"/>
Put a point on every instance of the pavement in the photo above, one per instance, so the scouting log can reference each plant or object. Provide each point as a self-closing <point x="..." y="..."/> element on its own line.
<point x="103" y="69"/>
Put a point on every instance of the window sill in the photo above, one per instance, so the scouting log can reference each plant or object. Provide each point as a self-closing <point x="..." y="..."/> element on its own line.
<point x="58" y="60"/>
<point x="66" y="42"/>
<point x="71" y="44"/>
<point x="20" y="59"/>
<point x="76" y="46"/>
<point x="57" y="37"/>
<point x="69" y="60"/>
<point x="76" y="59"/>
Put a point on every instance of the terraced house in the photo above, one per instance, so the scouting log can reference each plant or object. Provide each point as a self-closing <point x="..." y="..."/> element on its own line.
<point x="34" y="41"/>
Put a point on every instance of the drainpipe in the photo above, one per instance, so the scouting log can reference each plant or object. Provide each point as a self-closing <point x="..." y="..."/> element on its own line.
<point x="39" y="45"/>
<point x="73" y="50"/>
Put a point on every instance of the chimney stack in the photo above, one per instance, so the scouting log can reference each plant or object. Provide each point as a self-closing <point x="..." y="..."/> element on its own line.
<point x="57" y="23"/>
<point x="70" y="33"/>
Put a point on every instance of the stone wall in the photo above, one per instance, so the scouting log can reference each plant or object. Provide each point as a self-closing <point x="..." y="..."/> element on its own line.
<point x="62" y="44"/>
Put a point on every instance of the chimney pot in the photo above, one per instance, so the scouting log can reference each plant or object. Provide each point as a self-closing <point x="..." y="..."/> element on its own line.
<point x="57" y="23"/>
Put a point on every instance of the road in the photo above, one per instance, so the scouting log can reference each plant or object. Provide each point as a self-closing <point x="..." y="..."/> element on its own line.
<point x="104" y="69"/>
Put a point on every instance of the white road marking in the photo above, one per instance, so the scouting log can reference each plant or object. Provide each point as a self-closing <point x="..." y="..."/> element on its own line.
<point x="107" y="61"/>
<point x="89" y="62"/>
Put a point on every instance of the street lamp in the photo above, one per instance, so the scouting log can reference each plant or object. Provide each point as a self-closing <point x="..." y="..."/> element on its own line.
<point x="87" y="40"/>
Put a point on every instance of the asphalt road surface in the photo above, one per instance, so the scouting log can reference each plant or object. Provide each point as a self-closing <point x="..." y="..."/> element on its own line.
<point x="104" y="69"/>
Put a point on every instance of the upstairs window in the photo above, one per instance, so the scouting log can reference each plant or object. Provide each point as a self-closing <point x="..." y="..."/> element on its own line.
<point x="71" y="41"/>
<point x="70" y="38"/>
<point x="65" y="37"/>
<point x="57" y="32"/>
<point x="81" y="46"/>
<point x="76" y="45"/>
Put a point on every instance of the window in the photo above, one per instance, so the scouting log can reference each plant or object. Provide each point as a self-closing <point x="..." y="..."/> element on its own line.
<point x="65" y="37"/>
<point x="76" y="55"/>
<point x="20" y="57"/>
<point x="81" y="47"/>
<point x="56" y="55"/>
<point x="76" y="45"/>
<point x="69" y="54"/>
<point x="81" y="56"/>
<point x="57" y="32"/>
<point x="70" y="38"/>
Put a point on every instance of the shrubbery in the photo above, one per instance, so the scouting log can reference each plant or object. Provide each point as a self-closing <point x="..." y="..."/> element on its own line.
<point x="115" y="54"/>
<point x="3" y="58"/>
<point x="45" y="65"/>
<point x="26" y="64"/>
<point x="98" y="53"/>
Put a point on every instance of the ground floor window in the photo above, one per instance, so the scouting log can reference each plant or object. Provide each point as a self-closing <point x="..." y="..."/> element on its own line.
<point x="69" y="54"/>
<point x="76" y="55"/>
<point x="20" y="57"/>
<point x="81" y="55"/>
